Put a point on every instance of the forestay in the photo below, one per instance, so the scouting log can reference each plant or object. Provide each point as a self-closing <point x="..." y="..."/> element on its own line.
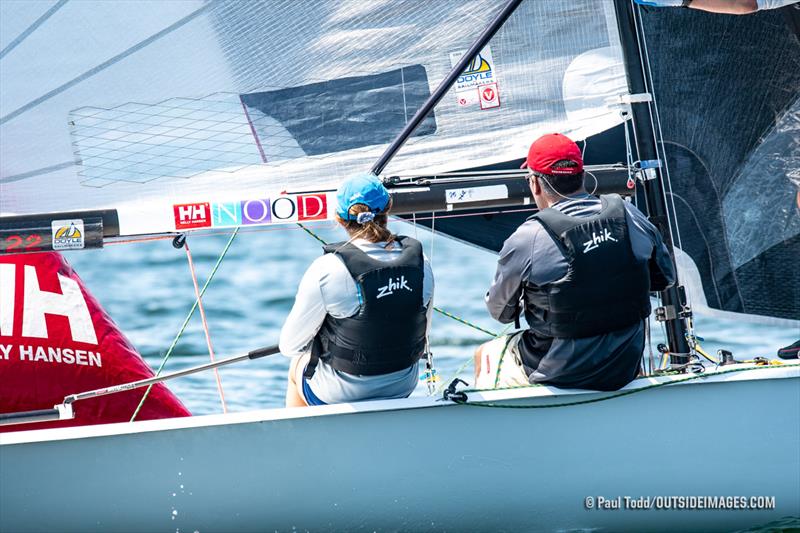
<point x="185" y="114"/>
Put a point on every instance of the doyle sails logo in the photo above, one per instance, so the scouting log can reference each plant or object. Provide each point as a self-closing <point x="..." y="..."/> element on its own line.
<point x="395" y="284"/>
<point x="479" y="71"/>
<point x="478" y="64"/>
<point x="67" y="234"/>
<point x="597" y="240"/>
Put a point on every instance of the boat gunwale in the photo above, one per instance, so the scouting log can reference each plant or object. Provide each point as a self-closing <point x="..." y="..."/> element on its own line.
<point x="739" y="372"/>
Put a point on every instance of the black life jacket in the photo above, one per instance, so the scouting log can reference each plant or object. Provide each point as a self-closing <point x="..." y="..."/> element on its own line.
<point x="606" y="288"/>
<point x="387" y="334"/>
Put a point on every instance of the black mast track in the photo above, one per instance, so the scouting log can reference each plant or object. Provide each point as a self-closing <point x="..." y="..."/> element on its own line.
<point x="642" y="121"/>
<point x="482" y="40"/>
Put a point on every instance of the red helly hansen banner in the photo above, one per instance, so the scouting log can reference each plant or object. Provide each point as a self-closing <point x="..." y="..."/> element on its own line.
<point x="56" y="340"/>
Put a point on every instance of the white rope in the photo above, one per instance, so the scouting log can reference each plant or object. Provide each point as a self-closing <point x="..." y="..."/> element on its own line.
<point x="596" y="183"/>
<point x="205" y="325"/>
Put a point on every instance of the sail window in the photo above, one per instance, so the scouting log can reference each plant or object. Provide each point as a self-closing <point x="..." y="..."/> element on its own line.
<point x="338" y="115"/>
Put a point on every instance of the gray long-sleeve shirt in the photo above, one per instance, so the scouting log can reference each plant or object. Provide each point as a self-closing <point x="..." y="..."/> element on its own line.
<point x="530" y="255"/>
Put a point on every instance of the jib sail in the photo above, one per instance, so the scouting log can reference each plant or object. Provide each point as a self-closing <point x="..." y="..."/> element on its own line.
<point x="56" y="340"/>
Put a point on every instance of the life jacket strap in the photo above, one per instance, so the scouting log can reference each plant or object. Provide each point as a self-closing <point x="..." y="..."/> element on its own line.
<point x="316" y="352"/>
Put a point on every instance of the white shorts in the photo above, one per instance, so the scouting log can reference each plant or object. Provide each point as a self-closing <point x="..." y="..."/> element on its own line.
<point x="501" y="364"/>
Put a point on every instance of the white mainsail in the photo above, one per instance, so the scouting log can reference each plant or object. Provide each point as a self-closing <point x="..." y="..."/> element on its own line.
<point x="140" y="107"/>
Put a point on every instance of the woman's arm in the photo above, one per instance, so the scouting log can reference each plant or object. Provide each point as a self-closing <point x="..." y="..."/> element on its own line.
<point x="307" y="314"/>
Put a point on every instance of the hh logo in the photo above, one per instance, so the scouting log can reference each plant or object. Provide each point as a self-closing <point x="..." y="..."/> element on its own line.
<point x="37" y="303"/>
<point x="189" y="216"/>
<point x="597" y="240"/>
<point x="394" y="285"/>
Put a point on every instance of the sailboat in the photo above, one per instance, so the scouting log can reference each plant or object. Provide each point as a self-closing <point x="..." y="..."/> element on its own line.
<point x="199" y="117"/>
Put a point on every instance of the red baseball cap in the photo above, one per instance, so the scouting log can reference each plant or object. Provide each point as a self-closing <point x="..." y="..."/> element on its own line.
<point x="551" y="148"/>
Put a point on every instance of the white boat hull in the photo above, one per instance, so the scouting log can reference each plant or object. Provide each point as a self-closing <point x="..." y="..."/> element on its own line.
<point x="423" y="465"/>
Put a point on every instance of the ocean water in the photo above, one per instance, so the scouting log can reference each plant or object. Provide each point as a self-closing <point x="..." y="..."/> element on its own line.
<point x="147" y="288"/>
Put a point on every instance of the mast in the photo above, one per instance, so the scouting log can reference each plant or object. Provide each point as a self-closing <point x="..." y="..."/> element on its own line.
<point x="640" y="88"/>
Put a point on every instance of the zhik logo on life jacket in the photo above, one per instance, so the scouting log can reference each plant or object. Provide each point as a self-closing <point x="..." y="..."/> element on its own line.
<point x="394" y="284"/>
<point x="597" y="240"/>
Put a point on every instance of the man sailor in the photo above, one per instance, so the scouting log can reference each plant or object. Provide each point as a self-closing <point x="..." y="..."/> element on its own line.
<point x="732" y="7"/>
<point x="359" y="322"/>
<point x="582" y="268"/>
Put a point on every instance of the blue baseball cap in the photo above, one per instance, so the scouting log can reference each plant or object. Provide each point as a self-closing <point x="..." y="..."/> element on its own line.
<point x="362" y="189"/>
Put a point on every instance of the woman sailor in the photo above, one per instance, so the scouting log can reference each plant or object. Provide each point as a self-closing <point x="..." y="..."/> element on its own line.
<point x="359" y="323"/>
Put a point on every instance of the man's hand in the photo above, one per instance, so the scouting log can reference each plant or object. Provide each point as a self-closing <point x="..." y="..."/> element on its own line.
<point x="660" y="3"/>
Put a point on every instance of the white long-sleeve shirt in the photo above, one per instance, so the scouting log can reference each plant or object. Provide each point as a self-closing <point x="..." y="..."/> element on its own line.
<point x="328" y="288"/>
<point x="774" y="4"/>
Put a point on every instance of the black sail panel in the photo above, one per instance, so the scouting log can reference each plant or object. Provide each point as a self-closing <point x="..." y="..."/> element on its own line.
<point x="728" y="94"/>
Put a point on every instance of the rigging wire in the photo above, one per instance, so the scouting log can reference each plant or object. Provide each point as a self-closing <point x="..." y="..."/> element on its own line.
<point x="199" y="300"/>
<point x="645" y="66"/>
<point x="670" y="202"/>
<point x="430" y="371"/>
<point x="669" y="198"/>
<point x="177" y="337"/>
<point x="659" y="134"/>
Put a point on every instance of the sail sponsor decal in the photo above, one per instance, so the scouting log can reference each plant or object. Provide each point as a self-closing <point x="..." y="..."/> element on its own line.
<point x="280" y="209"/>
<point x="476" y="194"/>
<point x="479" y="75"/>
<point x="68" y="234"/>
<point x="56" y="339"/>
<point x="31" y="322"/>
<point x="226" y="214"/>
<point x="489" y="95"/>
<point x="192" y="216"/>
<point x="479" y="71"/>
<point x="256" y="211"/>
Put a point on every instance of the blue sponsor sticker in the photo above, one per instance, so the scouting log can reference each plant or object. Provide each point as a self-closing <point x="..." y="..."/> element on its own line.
<point x="226" y="214"/>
